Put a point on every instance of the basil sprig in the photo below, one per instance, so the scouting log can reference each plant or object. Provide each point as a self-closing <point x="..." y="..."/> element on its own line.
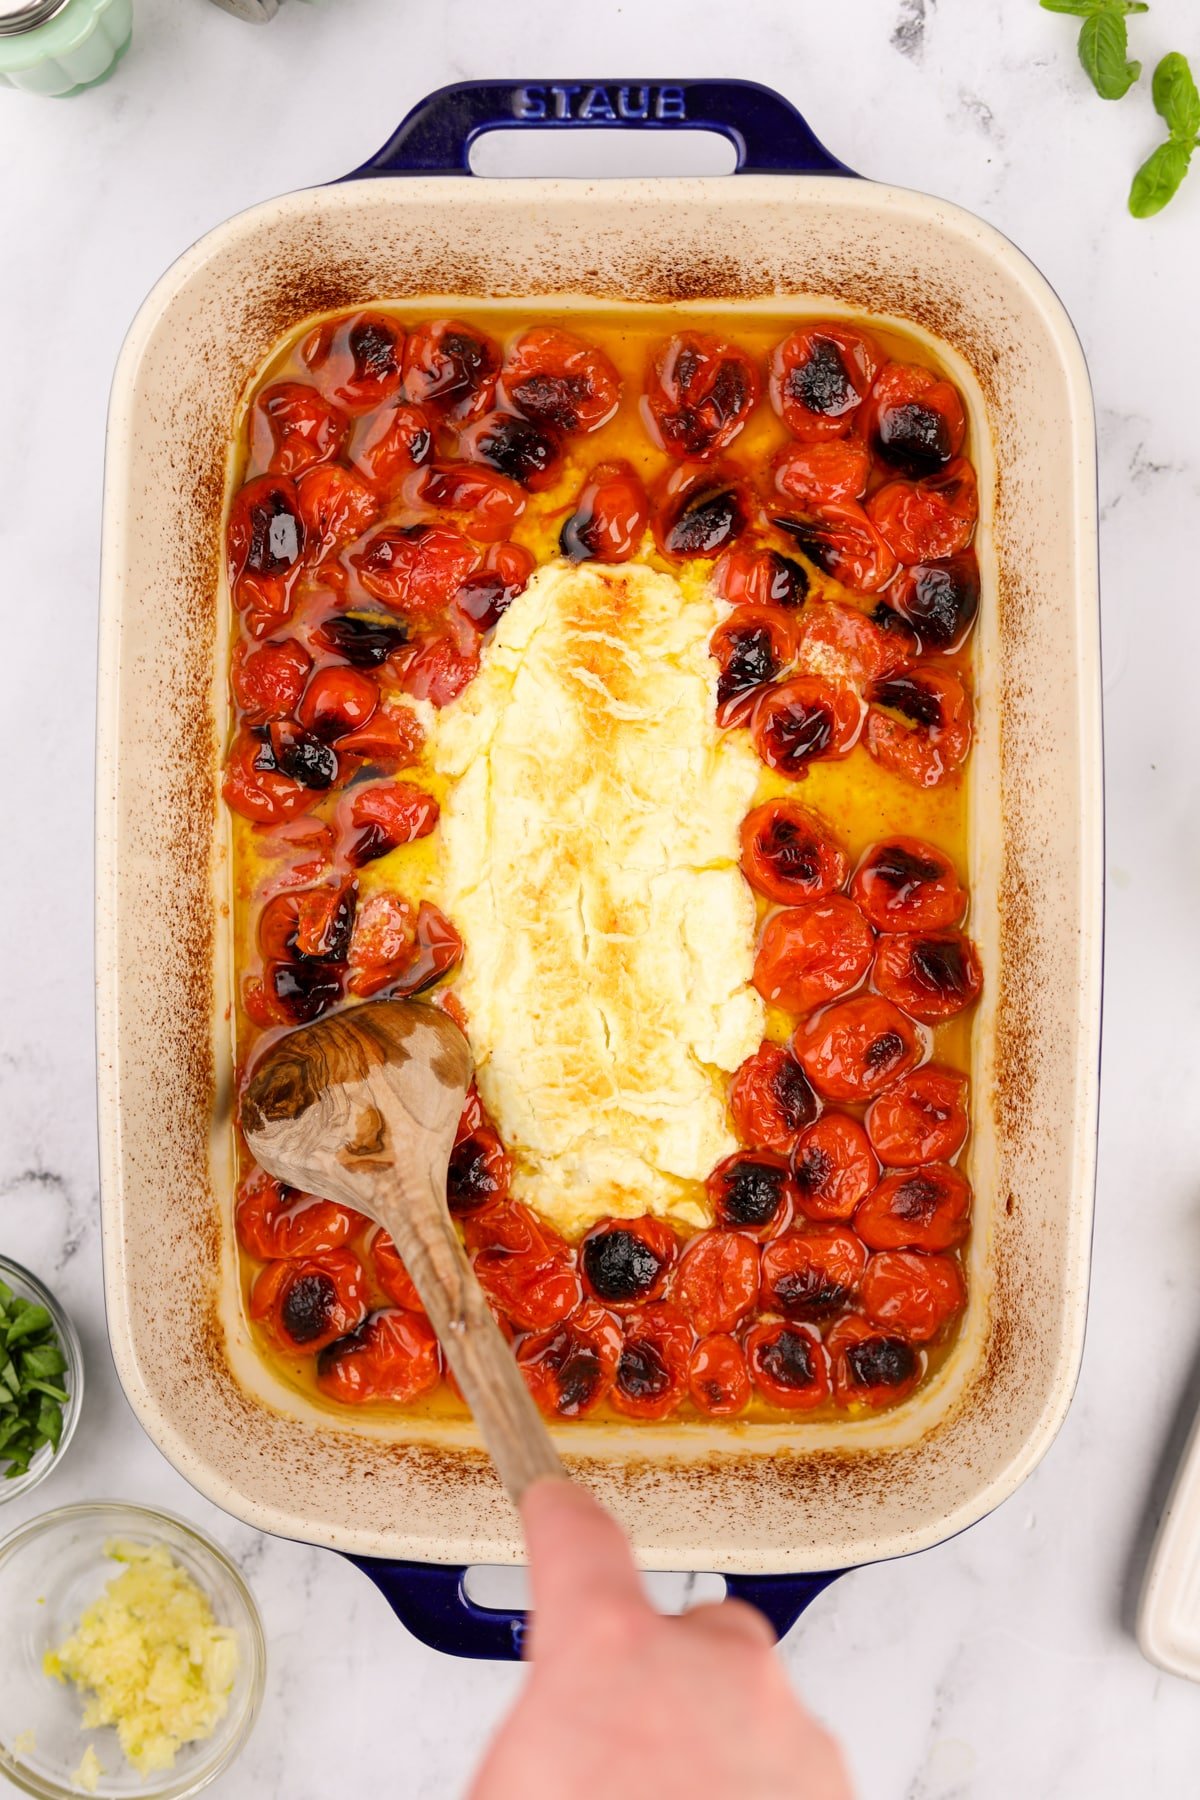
<point x="1178" y="104"/>
<point x="1104" y="42"/>
<point x="32" y="1395"/>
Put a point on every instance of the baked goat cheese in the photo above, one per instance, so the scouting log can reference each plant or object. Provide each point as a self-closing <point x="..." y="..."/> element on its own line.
<point x="589" y="856"/>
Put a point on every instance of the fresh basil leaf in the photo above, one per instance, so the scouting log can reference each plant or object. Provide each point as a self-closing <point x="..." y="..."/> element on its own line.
<point x="1103" y="51"/>
<point x="6" y="1296"/>
<point x="50" y="1422"/>
<point x="27" y="1324"/>
<point x="1087" y="9"/>
<point x="1175" y="97"/>
<point x="42" y="1362"/>
<point x="47" y="1387"/>
<point x="1158" y="180"/>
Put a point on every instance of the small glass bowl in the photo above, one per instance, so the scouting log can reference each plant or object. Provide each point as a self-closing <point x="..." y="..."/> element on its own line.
<point x="51" y="1571"/>
<point x="28" y="1287"/>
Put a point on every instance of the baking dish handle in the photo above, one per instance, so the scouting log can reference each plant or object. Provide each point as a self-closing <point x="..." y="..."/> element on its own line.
<point x="432" y="1601"/>
<point x="767" y="133"/>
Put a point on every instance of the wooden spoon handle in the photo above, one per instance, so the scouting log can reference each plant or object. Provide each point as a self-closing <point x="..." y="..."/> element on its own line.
<point x="475" y="1347"/>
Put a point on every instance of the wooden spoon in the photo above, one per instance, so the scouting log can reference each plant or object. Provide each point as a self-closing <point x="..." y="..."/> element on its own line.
<point x="362" y="1107"/>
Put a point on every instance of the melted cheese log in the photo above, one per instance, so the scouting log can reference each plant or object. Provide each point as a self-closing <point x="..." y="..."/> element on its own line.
<point x="589" y="857"/>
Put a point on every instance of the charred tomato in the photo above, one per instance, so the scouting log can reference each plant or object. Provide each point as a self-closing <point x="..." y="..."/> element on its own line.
<point x="625" y="1262"/>
<point x="560" y="382"/>
<point x="609" y="518"/>
<point x="916" y="1209"/>
<point x="870" y="1367"/>
<point x="571" y="1367"/>
<point x="652" y="1370"/>
<point x="905" y="884"/>
<point x="915" y="420"/>
<point x="820" y="376"/>
<point x="718" y="1379"/>
<point x="716" y="1282"/>
<point x="699" y="393"/>
<point x="788" y="855"/>
<point x="751" y="648"/>
<point x="394" y="1355"/>
<point x="812" y="953"/>
<point x="833" y="1167"/>
<point x="919" y="723"/>
<point x="804" y="720"/>
<point x="771" y="1099"/>
<point x="932" y="975"/>
<point x="853" y="1049"/>
<point x="921" y="1118"/>
<point x="810" y="1273"/>
<point x="450" y="368"/>
<point x="788" y="1364"/>
<point x="305" y="1303"/>
<point x="752" y="1191"/>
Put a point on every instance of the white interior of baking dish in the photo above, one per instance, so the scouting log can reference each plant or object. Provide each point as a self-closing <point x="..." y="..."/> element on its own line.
<point x="822" y="1495"/>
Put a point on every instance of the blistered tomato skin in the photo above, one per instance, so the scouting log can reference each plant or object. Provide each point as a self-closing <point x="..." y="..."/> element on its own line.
<point x="526" y="453"/>
<point x="927" y="1208"/>
<point x="788" y="1364"/>
<point x="752" y="648"/>
<point x="626" y="1262"/>
<point x="842" y="541"/>
<point x="932" y="975"/>
<point x="305" y="1303"/>
<point x="905" y="884"/>
<point x="389" y="445"/>
<point x="752" y="1191"/>
<point x="929" y="520"/>
<point x="812" y="953"/>
<point x="268" y="682"/>
<point x="833" y="1167"/>
<point x="919" y="723"/>
<point x="522" y="1264"/>
<point x="265" y="539"/>
<point x="699" y="393"/>
<point x="479" y="1173"/>
<point x="853" y="1049"/>
<point x="391" y="1273"/>
<point x="870" y="1367"/>
<point x="718" y="1379"/>
<point x="357" y="361"/>
<point x="451" y="369"/>
<point x="913" y="1294"/>
<point x="560" y="382"/>
<point x="745" y="575"/>
<point x="275" y="1223"/>
<point x="254" y="787"/>
<point x="415" y="569"/>
<point x="384" y="817"/>
<point x="394" y="1355"/>
<point x="919" y="1119"/>
<point x="571" y="1367"/>
<point x="292" y="427"/>
<point x="915" y="421"/>
<point x="609" y="519"/>
<point x="939" y="600"/>
<point x="652" y="1370"/>
<point x="788" y="855"/>
<point x="812" y="1272"/>
<point x="818" y="474"/>
<point x="337" y="702"/>
<point x="716" y="1282"/>
<point x="820" y="376"/>
<point x="804" y="720"/>
<point x="771" y="1100"/>
<point x="700" y="513"/>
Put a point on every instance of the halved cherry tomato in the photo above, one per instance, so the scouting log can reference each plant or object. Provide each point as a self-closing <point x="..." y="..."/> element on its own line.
<point x="815" y="474"/>
<point x="804" y="720"/>
<point x="926" y="521"/>
<point x="833" y="1167"/>
<point x="905" y="884"/>
<point x="337" y="702"/>
<point x="788" y="1364"/>
<point x="869" y="1368"/>
<point x="357" y="360"/>
<point x="771" y="1099"/>
<point x="450" y="367"/>
<point x="853" y="1049"/>
<point x="389" y="444"/>
<point x="268" y="682"/>
<point x="716" y="1282"/>
<point x="571" y="1367"/>
<point x="560" y="381"/>
<point x="812" y="953"/>
<point x="265" y="539"/>
<point x="917" y="1209"/>
<point x="752" y="647"/>
<point x="444" y="664"/>
<point x="820" y="376"/>
<point x="718" y="1379"/>
<point x="385" y="816"/>
<point x="912" y="1294"/>
<point x="415" y="569"/>
<point x="752" y="1191"/>
<point x="298" y="754"/>
<point x="292" y="993"/>
<point x="479" y="1173"/>
<point x="843" y="542"/>
<point x="517" y="448"/>
<point x="652" y="1370"/>
<point x="700" y="512"/>
<point x="482" y="502"/>
<point x="940" y="600"/>
<point x="610" y="517"/>
<point x="932" y="975"/>
<point x="526" y="1268"/>
<point x="293" y="426"/>
<point x="325" y="921"/>
<point x="625" y="1262"/>
<point x="809" y="1273"/>
<point x="392" y="738"/>
<point x="391" y="1273"/>
<point x="275" y="1223"/>
<point x="844" y="646"/>
<point x="255" y="787"/>
<point x="335" y="506"/>
<point x="915" y="419"/>
<point x="760" y="577"/>
<point x="485" y="596"/>
<point x="921" y="1118"/>
<point x="932" y="735"/>
<point x="699" y="393"/>
<point x="788" y="855"/>
<point x="383" y="942"/>
<point x="394" y="1355"/>
<point x="307" y="1302"/>
<point x="365" y="640"/>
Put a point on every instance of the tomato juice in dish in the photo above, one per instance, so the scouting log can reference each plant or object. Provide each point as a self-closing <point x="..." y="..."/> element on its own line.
<point x="605" y="677"/>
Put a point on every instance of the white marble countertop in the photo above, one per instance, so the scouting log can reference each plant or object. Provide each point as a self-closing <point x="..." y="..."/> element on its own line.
<point x="1001" y="1663"/>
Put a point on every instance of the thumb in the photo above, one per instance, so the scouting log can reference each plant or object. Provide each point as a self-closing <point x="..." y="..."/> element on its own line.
<point x="579" y="1559"/>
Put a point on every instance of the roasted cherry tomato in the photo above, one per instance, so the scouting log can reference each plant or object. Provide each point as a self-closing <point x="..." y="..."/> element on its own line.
<point x="652" y="1371"/>
<point x="843" y="542"/>
<point x="560" y="382"/>
<point x="523" y="1266"/>
<point x="921" y="1118"/>
<point x="912" y="1294"/>
<point x="752" y="1191"/>
<point x="451" y="368"/>
<point x="919" y="723"/>
<point x="940" y="600"/>
<point x="293" y="426"/>
<point x="275" y="1223"/>
<point x="363" y="639"/>
<point x="444" y="664"/>
<point x="479" y="1173"/>
<point x="804" y="720"/>
<point x="853" y="1049"/>
<point x="843" y="646"/>
<point x="474" y="1114"/>
<point x="265" y="540"/>
<point x="905" y="884"/>
<point x="926" y="521"/>
<point x="291" y="993"/>
<point x="916" y="1209"/>
<point x="255" y="787"/>
<point x="394" y="1355"/>
<point x="571" y="1367"/>
<point x="482" y="503"/>
<point x="392" y="738"/>
<point x="869" y="1368"/>
<point x="383" y="942"/>
<point x="820" y="376"/>
<point x="610" y="517"/>
<point x="788" y="1364"/>
<point x="516" y="448"/>
<point x="485" y="596"/>
<point x="392" y="1275"/>
<point x="268" y="682"/>
<point x="335" y="506"/>
<point x="297" y="753"/>
<point x="385" y="816"/>
<point x="389" y="444"/>
<point x="324" y="921"/>
<point x="752" y="648"/>
<point x="760" y="578"/>
<point x="415" y="569"/>
<point x="699" y="394"/>
<point x="815" y="474"/>
<point x="932" y="975"/>
<point x="833" y="1167"/>
<point x="716" y="1282"/>
<point x="812" y="953"/>
<point x="788" y="855"/>
<point x="809" y="1273"/>
<point x="357" y="360"/>
<point x="625" y="1262"/>
<point x="337" y="702"/>
<point x="771" y="1099"/>
<point x="700" y="512"/>
<point x="718" y="1379"/>
<point x="307" y="1302"/>
<point x="915" y="420"/>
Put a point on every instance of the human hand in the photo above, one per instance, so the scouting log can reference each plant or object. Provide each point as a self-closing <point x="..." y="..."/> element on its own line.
<point x="622" y="1702"/>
